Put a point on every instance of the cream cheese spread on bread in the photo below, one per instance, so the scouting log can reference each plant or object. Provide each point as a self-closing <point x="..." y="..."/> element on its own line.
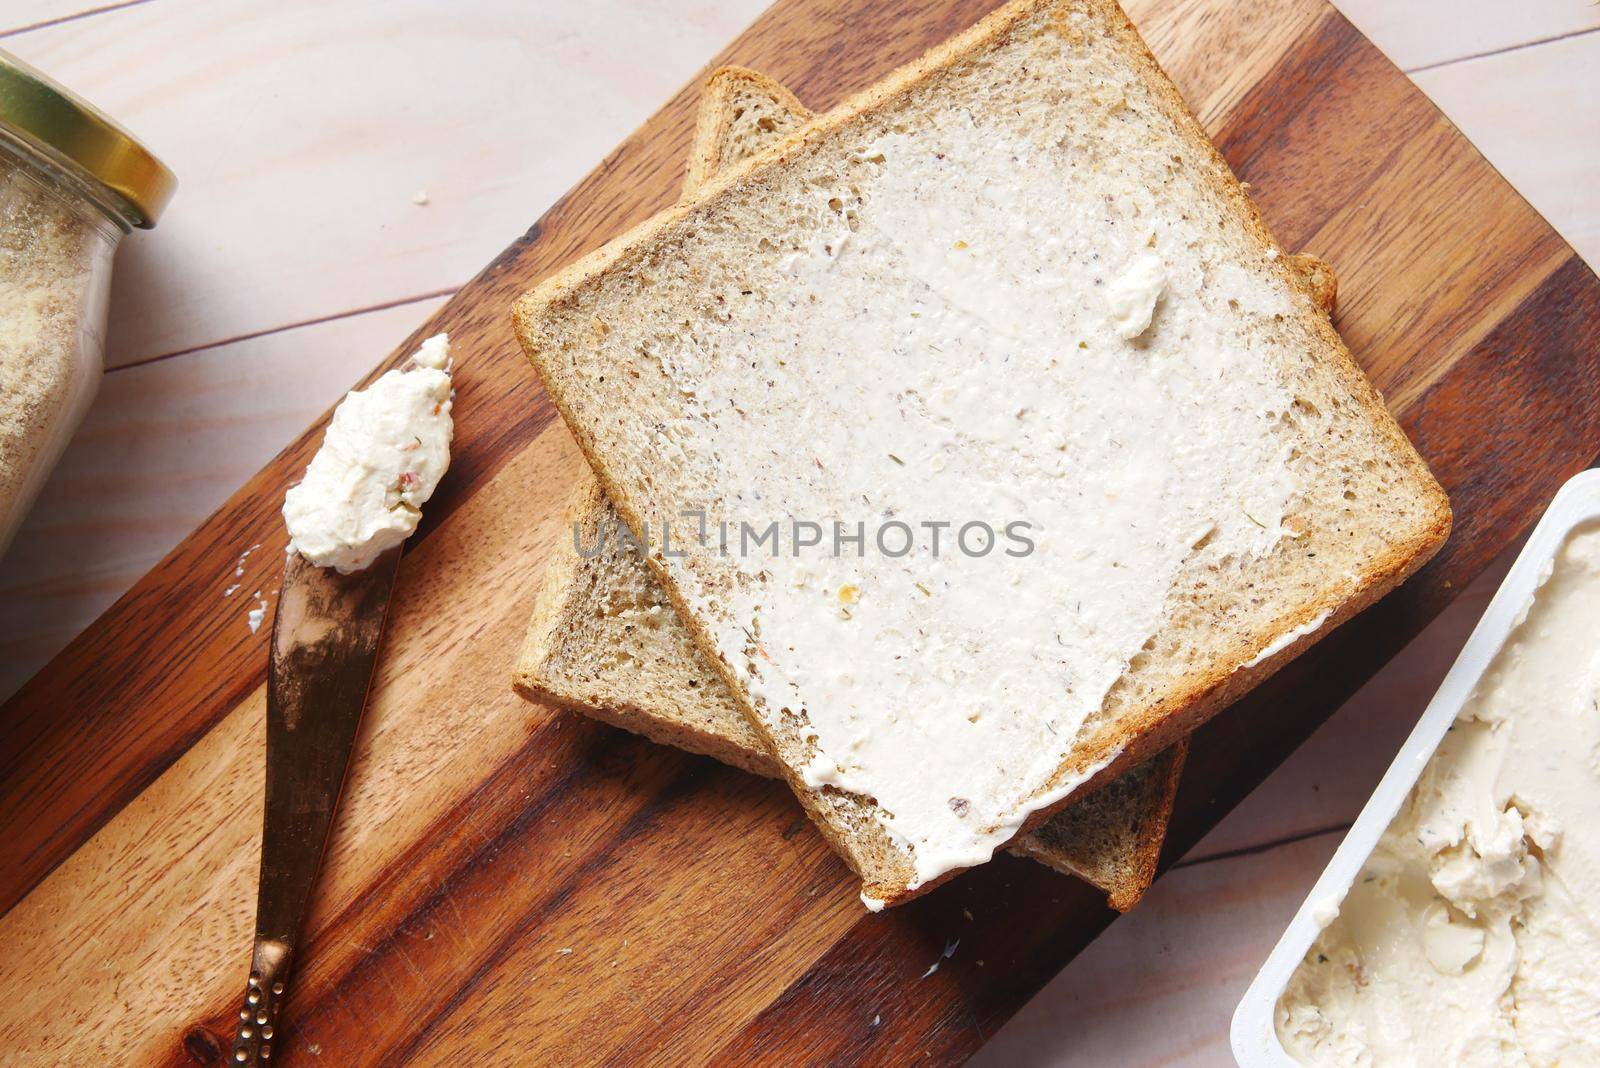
<point x="971" y="367"/>
<point x="1288" y="638"/>
<point x="1472" y="934"/>
<point x="385" y="450"/>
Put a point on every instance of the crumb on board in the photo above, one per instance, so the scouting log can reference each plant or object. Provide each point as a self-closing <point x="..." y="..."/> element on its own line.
<point x="255" y="616"/>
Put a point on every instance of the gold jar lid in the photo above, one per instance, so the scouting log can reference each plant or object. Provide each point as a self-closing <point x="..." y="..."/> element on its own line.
<point x="70" y="128"/>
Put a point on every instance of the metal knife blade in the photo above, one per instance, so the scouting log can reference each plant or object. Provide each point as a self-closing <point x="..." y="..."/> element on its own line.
<point x="324" y="645"/>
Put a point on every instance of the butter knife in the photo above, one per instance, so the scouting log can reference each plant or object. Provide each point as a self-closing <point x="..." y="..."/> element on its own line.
<point x="324" y="645"/>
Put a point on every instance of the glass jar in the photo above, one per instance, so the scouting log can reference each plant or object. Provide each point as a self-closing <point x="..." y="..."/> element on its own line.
<point x="72" y="183"/>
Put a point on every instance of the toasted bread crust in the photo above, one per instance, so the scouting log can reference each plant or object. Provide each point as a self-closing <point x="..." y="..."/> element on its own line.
<point x="1317" y="274"/>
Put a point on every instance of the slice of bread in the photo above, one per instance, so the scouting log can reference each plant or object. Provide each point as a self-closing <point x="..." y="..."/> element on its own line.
<point x="742" y="113"/>
<point x="1112" y="837"/>
<point x="1015" y="283"/>
<point x="605" y="641"/>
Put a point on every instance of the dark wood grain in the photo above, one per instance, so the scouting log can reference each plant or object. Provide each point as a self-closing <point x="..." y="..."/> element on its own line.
<point x="511" y="885"/>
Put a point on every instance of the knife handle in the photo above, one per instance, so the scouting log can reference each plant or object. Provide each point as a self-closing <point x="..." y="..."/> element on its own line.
<point x="325" y="640"/>
<point x="263" y="999"/>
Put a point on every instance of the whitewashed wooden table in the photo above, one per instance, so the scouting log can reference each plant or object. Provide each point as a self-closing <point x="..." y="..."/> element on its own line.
<point x="345" y="165"/>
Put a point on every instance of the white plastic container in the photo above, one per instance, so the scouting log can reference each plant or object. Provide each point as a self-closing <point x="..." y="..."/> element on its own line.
<point x="1254" y="1035"/>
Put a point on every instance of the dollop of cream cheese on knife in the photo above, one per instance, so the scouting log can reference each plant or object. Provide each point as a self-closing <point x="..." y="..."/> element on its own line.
<point x="386" y="448"/>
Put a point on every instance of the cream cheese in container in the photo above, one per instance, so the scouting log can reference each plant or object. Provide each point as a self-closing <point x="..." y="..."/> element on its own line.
<point x="1457" y="923"/>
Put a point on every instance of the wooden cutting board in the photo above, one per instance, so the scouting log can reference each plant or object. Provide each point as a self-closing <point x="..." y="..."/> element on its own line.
<point x="512" y="885"/>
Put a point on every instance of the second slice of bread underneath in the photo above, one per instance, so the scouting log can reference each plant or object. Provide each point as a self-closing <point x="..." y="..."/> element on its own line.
<point x="1014" y="280"/>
